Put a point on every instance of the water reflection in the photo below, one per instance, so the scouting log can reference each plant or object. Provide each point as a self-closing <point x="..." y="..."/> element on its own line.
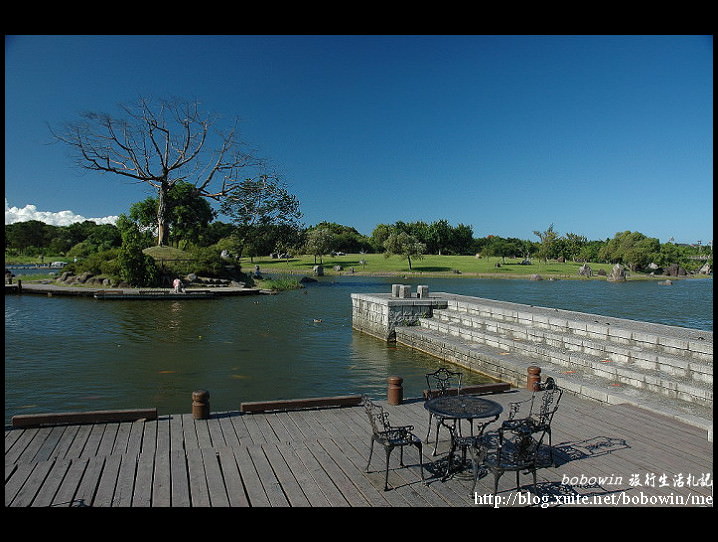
<point x="77" y="354"/>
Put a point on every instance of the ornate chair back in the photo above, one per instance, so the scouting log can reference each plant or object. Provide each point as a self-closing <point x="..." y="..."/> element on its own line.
<point x="443" y="381"/>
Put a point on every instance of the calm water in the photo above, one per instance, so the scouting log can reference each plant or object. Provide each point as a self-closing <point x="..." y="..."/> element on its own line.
<point x="64" y="354"/>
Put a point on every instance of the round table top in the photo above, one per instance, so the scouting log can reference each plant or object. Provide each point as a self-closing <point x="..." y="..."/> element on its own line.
<point x="463" y="406"/>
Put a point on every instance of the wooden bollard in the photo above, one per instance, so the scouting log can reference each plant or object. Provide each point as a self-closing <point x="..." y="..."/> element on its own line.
<point x="395" y="390"/>
<point x="200" y="404"/>
<point x="533" y="378"/>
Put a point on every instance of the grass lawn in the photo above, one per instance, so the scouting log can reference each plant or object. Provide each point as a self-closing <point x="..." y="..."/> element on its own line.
<point x="376" y="264"/>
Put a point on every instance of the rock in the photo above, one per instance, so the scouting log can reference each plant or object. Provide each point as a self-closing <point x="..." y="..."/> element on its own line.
<point x="536" y="277"/>
<point x="318" y="270"/>
<point x="83" y="277"/>
<point x="585" y="270"/>
<point x="675" y="270"/>
<point x="618" y="274"/>
<point x="666" y="282"/>
<point x="706" y="269"/>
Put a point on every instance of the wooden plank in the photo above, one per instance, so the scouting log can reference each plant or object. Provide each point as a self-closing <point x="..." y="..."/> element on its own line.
<point x="189" y="432"/>
<point x="338" y="449"/>
<point x="125" y="486"/>
<point x="107" y="482"/>
<point x="68" y="487"/>
<point x="161" y="490"/>
<point x="87" y="486"/>
<point x="326" y="485"/>
<point x="146" y="483"/>
<point x="315" y="496"/>
<point x="232" y="478"/>
<point x="49" y="489"/>
<point x="122" y="437"/>
<point x="79" y="442"/>
<point x="97" y="416"/>
<point x="19" y="476"/>
<point x="149" y="437"/>
<point x="252" y="484"/>
<point x="298" y="404"/>
<point x="177" y="441"/>
<point x="290" y="487"/>
<point x="270" y="483"/>
<point x="180" y="479"/>
<point x="197" y="479"/>
<point x="228" y="430"/>
<point x="93" y="440"/>
<point x="215" y="483"/>
<point x="107" y="443"/>
<point x="338" y="477"/>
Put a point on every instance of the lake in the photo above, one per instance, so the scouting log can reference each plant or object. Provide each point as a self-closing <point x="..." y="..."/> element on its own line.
<point x="68" y="353"/>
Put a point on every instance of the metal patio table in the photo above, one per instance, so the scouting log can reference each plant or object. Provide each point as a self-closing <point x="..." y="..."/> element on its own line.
<point x="463" y="407"/>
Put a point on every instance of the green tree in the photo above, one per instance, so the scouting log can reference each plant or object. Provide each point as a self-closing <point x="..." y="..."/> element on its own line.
<point x="548" y="243"/>
<point x="319" y="242"/>
<point x="403" y="244"/>
<point x="259" y="204"/>
<point x="134" y="266"/>
<point x="188" y="215"/>
<point x="632" y="249"/>
<point x="379" y="236"/>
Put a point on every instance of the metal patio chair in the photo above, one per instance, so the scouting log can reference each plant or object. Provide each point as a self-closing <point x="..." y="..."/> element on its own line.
<point x="442" y="382"/>
<point x="390" y="437"/>
<point x="511" y="448"/>
<point x="539" y="410"/>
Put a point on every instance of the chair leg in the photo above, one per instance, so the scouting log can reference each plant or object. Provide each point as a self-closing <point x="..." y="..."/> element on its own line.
<point x="550" y="448"/>
<point x="421" y="460"/>
<point x="497" y="475"/>
<point x="436" y="441"/>
<point x="429" y="430"/>
<point x="386" y="477"/>
<point x="371" y="450"/>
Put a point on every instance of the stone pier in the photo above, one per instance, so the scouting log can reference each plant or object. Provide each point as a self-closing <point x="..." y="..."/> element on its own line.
<point x="380" y="314"/>
<point x="666" y="369"/>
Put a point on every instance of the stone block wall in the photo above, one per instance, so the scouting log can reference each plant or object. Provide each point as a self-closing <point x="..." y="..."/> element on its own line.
<point x="379" y="314"/>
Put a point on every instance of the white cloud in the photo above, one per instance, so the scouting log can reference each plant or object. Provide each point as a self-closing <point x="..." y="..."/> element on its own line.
<point x="54" y="218"/>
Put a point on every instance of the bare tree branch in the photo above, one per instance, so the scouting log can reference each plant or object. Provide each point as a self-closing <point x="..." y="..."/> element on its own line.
<point x="162" y="143"/>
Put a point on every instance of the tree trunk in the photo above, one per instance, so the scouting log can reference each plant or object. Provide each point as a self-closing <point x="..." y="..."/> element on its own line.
<point x="162" y="231"/>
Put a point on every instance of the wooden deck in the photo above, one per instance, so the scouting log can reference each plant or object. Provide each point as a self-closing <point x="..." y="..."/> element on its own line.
<point x="608" y="456"/>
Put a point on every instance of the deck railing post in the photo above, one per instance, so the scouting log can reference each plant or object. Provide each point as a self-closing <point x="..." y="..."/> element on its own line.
<point x="200" y="404"/>
<point x="533" y="378"/>
<point x="395" y="390"/>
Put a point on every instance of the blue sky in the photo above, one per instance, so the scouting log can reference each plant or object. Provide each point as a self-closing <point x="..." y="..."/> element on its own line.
<point x="508" y="134"/>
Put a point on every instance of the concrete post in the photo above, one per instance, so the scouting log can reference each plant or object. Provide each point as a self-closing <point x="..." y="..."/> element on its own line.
<point x="200" y="404"/>
<point x="422" y="291"/>
<point x="404" y="291"/>
<point x="533" y="378"/>
<point x="395" y="390"/>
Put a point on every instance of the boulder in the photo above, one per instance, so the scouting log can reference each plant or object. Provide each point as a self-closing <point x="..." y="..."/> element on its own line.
<point x="675" y="270"/>
<point x="618" y="274"/>
<point x="585" y="270"/>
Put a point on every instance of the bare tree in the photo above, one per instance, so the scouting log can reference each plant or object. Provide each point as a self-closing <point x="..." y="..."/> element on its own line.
<point x="162" y="143"/>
